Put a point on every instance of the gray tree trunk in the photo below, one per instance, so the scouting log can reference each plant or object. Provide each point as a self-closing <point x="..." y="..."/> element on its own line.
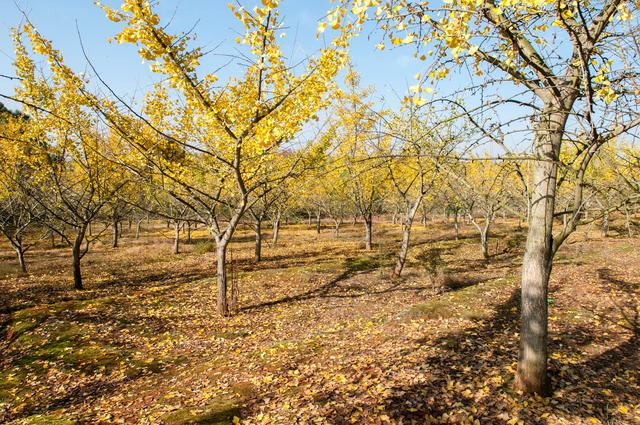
<point x="536" y="266"/>
<point x="456" y="223"/>
<point x="368" y="230"/>
<point x="114" y="240"/>
<point x="276" y="231"/>
<point x="484" y="243"/>
<point x="21" y="262"/>
<point x="221" y="278"/>
<point x="406" y="237"/>
<point x="176" y="238"/>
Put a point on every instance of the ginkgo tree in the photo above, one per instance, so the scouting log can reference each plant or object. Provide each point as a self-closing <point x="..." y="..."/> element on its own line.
<point x="417" y="145"/>
<point x="481" y="186"/>
<point x="557" y="60"/>
<point x="227" y="131"/>
<point x="61" y="147"/>
<point x="355" y="152"/>
<point x="19" y="214"/>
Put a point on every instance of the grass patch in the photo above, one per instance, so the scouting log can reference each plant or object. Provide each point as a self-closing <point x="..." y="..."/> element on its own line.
<point x="46" y="420"/>
<point x="445" y="309"/>
<point x="204" y="247"/>
<point x="219" y="412"/>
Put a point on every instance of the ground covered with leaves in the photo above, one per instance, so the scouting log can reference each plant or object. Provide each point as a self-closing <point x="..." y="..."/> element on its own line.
<point x="323" y="334"/>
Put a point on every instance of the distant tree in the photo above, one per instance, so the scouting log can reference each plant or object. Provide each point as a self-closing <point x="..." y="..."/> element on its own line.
<point x="62" y="149"/>
<point x="416" y="144"/>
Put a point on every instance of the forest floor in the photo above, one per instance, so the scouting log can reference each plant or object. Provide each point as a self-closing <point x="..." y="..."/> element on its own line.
<point x="323" y="335"/>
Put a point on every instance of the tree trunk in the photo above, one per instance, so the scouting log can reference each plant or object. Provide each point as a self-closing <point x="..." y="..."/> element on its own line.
<point x="627" y="221"/>
<point x="276" y="231"/>
<point x="368" y="224"/>
<point x="188" y="232"/>
<point x="605" y="224"/>
<point x="309" y="216"/>
<point x="176" y="239"/>
<point x="484" y="243"/>
<point x="21" y="262"/>
<point x="77" y="256"/>
<point x="318" y="221"/>
<point x="536" y="266"/>
<point x="258" y="247"/>
<point x="406" y="237"/>
<point x="138" y="224"/>
<point x="456" y="223"/>
<point x="221" y="255"/>
<point x="336" y="228"/>
<point x="114" y="240"/>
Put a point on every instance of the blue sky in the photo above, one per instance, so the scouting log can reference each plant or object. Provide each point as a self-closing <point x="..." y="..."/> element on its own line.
<point x="391" y="71"/>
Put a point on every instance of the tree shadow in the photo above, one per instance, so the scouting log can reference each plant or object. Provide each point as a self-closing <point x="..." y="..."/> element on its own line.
<point x="625" y="307"/>
<point x="44" y="294"/>
<point x="488" y="352"/>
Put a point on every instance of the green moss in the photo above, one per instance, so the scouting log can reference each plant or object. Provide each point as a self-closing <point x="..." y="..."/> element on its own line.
<point x="204" y="247"/>
<point x="219" y="412"/>
<point x="46" y="420"/>
<point x="230" y="334"/>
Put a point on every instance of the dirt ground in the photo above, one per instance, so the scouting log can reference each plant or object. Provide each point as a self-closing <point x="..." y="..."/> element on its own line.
<point x="323" y="334"/>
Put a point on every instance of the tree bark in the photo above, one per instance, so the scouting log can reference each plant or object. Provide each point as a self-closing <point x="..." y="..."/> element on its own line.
<point x="176" y="239"/>
<point x="368" y="225"/>
<point x="138" y="224"/>
<point x="77" y="256"/>
<point x="318" y="221"/>
<point x="406" y="237"/>
<point x="188" y="232"/>
<point x="221" y="256"/>
<point x="605" y="224"/>
<point x="276" y="231"/>
<point x="114" y="240"/>
<point x="258" y="246"/>
<point x="536" y="266"/>
<point x="484" y="243"/>
<point x="21" y="262"/>
<point x="456" y="223"/>
<point x="627" y="221"/>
